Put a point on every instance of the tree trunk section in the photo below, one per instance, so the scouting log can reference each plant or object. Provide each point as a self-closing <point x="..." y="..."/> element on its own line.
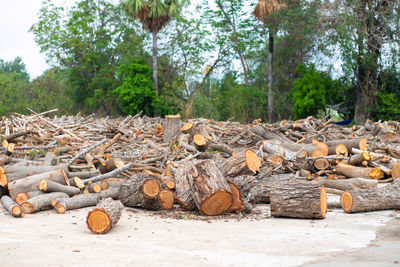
<point x="106" y="215"/>
<point x="11" y="206"/>
<point x="373" y="199"/>
<point x="50" y="186"/>
<point x="183" y="194"/>
<point x="210" y="191"/>
<point x="299" y="200"/>
<point x="244" y="162"/>
<point x="172" y="126"/>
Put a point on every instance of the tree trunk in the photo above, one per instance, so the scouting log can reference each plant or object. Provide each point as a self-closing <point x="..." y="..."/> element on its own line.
<point x="104" y="216"/>
<point x="271" y="114"/>
<point x="381" y="198"/>
<point x="210" y="191"/>
<point x="155" y="68"/>
<point x="299" y="200"/>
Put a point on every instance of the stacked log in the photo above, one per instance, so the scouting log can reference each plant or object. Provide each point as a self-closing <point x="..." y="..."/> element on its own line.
<point x="106" y="215"/>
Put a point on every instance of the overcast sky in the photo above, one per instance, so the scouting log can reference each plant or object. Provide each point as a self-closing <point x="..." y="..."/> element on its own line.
<point x="16" y="17"/>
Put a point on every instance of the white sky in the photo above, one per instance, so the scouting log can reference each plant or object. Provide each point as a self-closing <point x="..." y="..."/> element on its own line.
<point x="16" y="17"/>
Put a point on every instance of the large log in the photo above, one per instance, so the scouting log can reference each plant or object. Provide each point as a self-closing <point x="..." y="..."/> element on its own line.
<point x="183" y="194"/>
<point x="210" y="191"/>
<point x="41" y="202"/>
<point x="171" y="127"/>
<point x="16" y="172"/>
<point x="104" y="216"/>
<point x="31" y="183"/>
<point x="244" y="162"/>
<point x="373" y="199"/>
<point x="12" y="207"/>
<point x="298" y="199"/>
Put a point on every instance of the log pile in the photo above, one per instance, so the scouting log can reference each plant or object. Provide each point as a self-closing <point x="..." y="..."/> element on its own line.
<point x="72" y="162"/>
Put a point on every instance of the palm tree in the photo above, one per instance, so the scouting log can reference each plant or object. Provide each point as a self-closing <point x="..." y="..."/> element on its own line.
<point x="154" y="15"/>
<point x="262" y="11"/>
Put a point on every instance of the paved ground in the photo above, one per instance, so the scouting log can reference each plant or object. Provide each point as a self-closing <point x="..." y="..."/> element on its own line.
<point x="145" y="239"/>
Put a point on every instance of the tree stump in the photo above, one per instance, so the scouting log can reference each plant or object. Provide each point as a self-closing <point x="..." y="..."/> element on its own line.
<point x="373" y="199"/>
<point x="106" y="215"/>
<point x="297" y="199"/>
<point x="171" y="127"/>
<point x="210" y="191"/>
<point x="41" y="202"/>
<point x="11" y="206"/>
<point x="244" y="162"/>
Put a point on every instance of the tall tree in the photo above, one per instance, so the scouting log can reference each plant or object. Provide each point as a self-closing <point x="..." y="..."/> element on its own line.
<point x="154" y="15"/>
<point x="363" y="31"/>
<point x="262" y="11"/>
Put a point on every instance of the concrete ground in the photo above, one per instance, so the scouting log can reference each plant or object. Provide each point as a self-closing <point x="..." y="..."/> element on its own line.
<point x="146" y="239"/>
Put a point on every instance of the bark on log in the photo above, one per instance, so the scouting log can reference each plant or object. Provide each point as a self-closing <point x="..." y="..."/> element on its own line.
<point x="359" y="172"/>
<point x="171" y="127"/>
<point x="348" y="184"/>
<point x="21" y="197"/>
<point x="183" y="194"/>
<point x="31" y="183"/>
<point x="210" y="191"/>
<point x="50" y="186"/>
<point x="357" y="159"/>
<point x="77" y="182"/>
<point x="299" y="200"/>
<point x="381" y="198"/>
<point x="111" y="164"/>
<point x="41" y="202"/>
<point x="244" y="162"/>
<point x="106" y="215"/>
<point x="11" y="206"/>
<point x="237" y="203"/>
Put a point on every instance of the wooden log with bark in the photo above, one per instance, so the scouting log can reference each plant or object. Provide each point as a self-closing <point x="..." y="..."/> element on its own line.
<point x="348" y="184"/>
<point x="106" y="215"/>
<point x="299" y="200"/>
<point x="359" y="172"/>
<point x="183" y="194"/>
<point x="244" y="162"/>
<point x="171" y="127"/>
<point x="12" y="207"/>
<point x="210" y="191"/>
<point x="41" y="202"/>
<point x="373" y="199"/>
<point x="31" y="183"/>
<point x="51" y="186"/>
<point x="21" y="197"/>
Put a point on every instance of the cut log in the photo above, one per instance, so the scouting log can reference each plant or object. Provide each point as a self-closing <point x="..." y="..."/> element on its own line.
<point x="77" y="182"/>
<point x="11" y="206"/>
<point x="200" y="142"/>
<point x="357" y="159"/>
<point x="50" y="186"/>
<point x="171" y="127"/>
<point x="210" y="191"/>
<point x="348" y="184"/>
<point x="359" y="172"/>
<point x="24" y="196"/>
<point x="111" y="164"/>
<point x="31" y="183"/>
<point x="237" y="203"/>
<point x="93" y="188"/>
<point x="16" y="172"/>
<point x="41" y="202"/>
<point x="321" y="164"/>
<point x="341" y="149"/>
<point x="183" y="194"/>
<point x="396" y="170"/>
<point x="349" y="143"/>
<point x="299" y="200"/>
<point x="159" y="131"/>
<point x="381" y="198"/>
<point x="244" y="162"/>
<point x="275" y="147"/>
<point x="140" y="190"/>
<point x="85" y="175"/>
<point x="50" y="159"/>
<point x="104" y="216"/>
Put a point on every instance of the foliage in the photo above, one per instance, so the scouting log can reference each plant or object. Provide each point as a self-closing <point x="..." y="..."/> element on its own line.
<point x="136" y="91"/>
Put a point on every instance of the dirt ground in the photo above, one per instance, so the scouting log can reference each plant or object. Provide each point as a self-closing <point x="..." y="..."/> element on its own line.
<point x="179" y="239"/>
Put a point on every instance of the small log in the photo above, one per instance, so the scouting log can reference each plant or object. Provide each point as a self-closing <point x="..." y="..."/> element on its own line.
<point x="396" y="170"/>
<point x="111" y="164"/>
<point x="11" y="206"/>
<point x="41" y="202"/>
<point x="159" y="131"/>
<point x="341" y="149"/>
<point x="137" y="191"/>
<point x="349" y="143"/>
<point x="24" y="196"/>
<point x="299" y="200"/>
<point x="50" y="186"/>
<point x="348" y="184"/>
<point x="77" y="182"/>
<point x="85" y="175"/>
<point x="50" y="159"/>
<point x="167" y="199"/>
<point x="359" y="172"/>
<point x="200" y="142"/>
<point x="171" y="127"/>
<point x="321" y="164"/>
<point x="275" y="147"/>
<point x="210" y="191"/>
<point x="104" y="216"/>
<point x="31" y="183"/>
<point x="380" y="198"/>
<point x="357" y="159"/>
<point x="109" y="174"/>
<point x="244" y="162"/>
<point x="93" y="188"/>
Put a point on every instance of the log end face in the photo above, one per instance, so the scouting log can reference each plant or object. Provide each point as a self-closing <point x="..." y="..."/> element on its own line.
<point x="78" y="182"/>
<point x="27" y="207"/>
<point x="98" y="221"/>
<point x="252" y="160"/>
<point x="167" y="199"/>
<point x="323" y="201"/>
<point x="237" y="203"/>
<point x="16" y="211"/>
<point x="21" y="197"/>
<point x="60" y="208"/>
<point x="3" y="179"/>
<point x="217" y="203"/>
<point x="363" y="144"/>
<point x="396" y="170"/>
<point x="43" y="185"/>
<point x="151" y="187"/>
<point x="376" y="173"/>
<point x="346" y="200"/>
